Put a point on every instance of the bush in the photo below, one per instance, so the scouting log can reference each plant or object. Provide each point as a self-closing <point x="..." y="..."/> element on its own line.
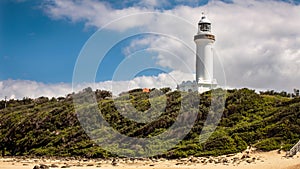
<point x="268" y="144"/>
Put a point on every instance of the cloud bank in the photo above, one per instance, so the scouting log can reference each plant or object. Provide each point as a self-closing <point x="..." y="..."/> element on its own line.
<point x="18" y="89"/>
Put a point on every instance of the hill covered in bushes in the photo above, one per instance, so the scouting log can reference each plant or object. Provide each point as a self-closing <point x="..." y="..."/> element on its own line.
<point x="50" y="127"/>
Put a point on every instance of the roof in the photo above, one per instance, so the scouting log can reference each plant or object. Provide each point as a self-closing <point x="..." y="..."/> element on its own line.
<point x="204" y="19"/>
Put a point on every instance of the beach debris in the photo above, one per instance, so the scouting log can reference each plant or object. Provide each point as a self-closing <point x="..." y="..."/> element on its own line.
<point x="43" y="166"/>
<point x="114" y="162"/>
<point x="245" y="156"/>
<point x="54" y="166"/>
<point x="193" y="159"/>
<point x="36" y="167"/>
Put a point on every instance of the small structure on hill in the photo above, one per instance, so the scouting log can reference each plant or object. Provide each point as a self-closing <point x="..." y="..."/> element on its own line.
<point x="146" y="90"/>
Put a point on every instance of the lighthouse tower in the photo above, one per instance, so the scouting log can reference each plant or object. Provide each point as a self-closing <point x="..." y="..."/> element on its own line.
<point x="204" y="40"/>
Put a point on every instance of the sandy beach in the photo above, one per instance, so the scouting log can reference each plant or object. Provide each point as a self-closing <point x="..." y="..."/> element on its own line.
<point x="256" y="160"/>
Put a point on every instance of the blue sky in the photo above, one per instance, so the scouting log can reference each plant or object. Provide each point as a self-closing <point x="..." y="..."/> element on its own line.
<point x="35" y="47"/>
<point x="40" y="41"/>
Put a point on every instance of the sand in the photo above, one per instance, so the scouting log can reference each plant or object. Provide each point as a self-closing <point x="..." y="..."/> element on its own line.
<point x="263" y="160"/>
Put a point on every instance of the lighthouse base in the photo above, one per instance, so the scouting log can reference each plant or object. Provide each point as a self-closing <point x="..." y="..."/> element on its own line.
<point x="204" y="86"/>
<point x="201" y="87"/>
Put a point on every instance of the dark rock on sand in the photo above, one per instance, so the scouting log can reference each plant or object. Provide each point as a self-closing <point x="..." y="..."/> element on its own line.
<point x="114" y="162"/>
<point x="36" y="167"/>
<point x="43" y="166"/>
<point x="245" y="156"/>
<point x="54" y="166"/>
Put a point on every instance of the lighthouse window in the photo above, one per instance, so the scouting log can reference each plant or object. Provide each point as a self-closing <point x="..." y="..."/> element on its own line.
<point x="205" y="27"/>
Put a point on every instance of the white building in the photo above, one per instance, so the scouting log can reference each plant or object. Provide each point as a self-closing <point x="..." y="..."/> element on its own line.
<point x="204" y="40"/>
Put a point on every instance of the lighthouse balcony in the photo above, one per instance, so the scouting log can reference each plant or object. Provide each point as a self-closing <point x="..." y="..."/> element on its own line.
<point x="201" y="86"/>
<point x="207" y="81"/>
<point x="205" y="36"/>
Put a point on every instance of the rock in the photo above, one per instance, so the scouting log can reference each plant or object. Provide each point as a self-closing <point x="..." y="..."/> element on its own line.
<point x="184" y="160"/>
<point x="54" y="166"/>
<point x="235" y="159"/>
<point x="230" y="155"/>
<point x="193" y="159"/>
<point x="245" y="156"/>
<point x="217" y="161"/>
<point x="203" y="160"/>
<point x="114" y="162"/>
<point x="210" y="160"/>
<point x="224" y="160"/>
<point x="249" y="161"/>
<point x="65" y="166"/>
<point x="43" y="166"/>
<point x="36" y="167"/>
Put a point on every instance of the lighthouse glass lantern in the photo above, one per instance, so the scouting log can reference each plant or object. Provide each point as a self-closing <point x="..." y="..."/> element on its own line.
<point x="204" y="25"/>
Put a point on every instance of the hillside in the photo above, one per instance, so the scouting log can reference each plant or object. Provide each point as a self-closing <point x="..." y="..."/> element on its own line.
<point x="49" y="127"/>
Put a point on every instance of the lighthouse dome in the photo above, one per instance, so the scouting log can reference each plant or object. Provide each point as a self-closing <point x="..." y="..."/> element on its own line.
<point x="204" y="19"/>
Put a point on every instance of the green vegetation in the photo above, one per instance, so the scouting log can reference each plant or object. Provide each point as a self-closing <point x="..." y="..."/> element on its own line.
<point x="49" y="127"/>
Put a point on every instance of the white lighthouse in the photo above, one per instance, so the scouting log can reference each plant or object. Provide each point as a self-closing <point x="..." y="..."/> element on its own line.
<point x="204" y="40"/>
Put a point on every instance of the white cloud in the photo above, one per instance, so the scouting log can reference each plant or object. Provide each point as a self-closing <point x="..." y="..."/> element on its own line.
<point x="257" y="41"/>
<point x="94" y="13"/>
<point x="17" y="89"/>
<point x="153" y="3"/>
<point x="25" y="88"/>
<point x="172" y="53"/>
